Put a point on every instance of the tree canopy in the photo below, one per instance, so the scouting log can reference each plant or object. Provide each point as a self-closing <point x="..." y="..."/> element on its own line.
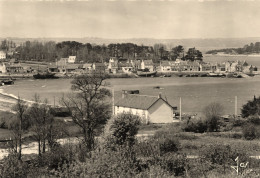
<point x="251" y="107"/>
<point x="49" y="51"/>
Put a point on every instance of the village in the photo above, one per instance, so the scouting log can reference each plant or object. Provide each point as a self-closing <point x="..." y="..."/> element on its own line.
<point x="116" y="66"/>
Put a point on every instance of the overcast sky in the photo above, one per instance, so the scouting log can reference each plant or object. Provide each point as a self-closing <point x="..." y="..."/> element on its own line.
<point x="130" y="19"/>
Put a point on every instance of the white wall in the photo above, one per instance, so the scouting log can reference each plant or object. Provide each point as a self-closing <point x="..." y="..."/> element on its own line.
<point x="141" y="113"/>
<point x="71" y="59"/>
<point x="160" y="112"/>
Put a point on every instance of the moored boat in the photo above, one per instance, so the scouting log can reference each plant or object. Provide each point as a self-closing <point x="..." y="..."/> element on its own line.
<point x="45" y="76"/>
<point x="146" y="74"/>
<point x="7" y="82"/>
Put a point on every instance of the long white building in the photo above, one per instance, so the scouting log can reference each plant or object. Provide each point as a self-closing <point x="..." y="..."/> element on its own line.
<point x="151" y="109"/>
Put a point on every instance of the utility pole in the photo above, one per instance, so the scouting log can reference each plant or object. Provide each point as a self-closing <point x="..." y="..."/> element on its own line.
<point x="235" y="105"/>
<point x="180" y="108"/>
<point x="113" y="101"/>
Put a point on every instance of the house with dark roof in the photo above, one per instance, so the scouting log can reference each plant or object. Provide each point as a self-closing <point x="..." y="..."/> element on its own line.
<point x="147" y="64"/>
<point x="152" y="109"/>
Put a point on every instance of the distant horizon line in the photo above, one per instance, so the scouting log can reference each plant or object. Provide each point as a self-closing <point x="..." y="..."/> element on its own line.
<point x="132" y="38"/>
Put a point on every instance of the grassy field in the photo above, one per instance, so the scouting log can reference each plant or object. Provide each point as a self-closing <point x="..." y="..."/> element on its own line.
<point x="198" y="141"/>
<point x="192" y="143"/>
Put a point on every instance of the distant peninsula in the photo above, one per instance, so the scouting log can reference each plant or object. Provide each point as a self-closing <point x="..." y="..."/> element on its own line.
<point x="249" y="49"/>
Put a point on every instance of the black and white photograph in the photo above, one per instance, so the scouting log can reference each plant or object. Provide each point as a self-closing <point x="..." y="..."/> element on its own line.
<point x="135" y="88"/>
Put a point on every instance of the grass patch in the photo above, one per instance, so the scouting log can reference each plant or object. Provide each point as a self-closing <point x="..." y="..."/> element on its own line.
<point x="194" y="146"/>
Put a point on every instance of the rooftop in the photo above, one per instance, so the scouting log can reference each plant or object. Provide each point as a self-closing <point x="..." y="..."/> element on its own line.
<point x="138" y="101"/>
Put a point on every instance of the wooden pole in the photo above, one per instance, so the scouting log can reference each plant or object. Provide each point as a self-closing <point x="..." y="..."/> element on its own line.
<point x="113" y="102"/>
<point x="180" y="108"/>
<point x="235" y="105"/>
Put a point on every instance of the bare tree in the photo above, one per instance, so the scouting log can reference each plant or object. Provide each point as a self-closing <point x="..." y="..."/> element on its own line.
<point x="19" y="124"/>
<point x="88" y="104"/>
<point x="213" y="112"/>
<point x="41" y="122"/>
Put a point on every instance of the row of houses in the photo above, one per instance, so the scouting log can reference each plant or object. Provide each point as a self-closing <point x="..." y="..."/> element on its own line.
<point x="119" y="65"/>
<point x="199" y="66"/>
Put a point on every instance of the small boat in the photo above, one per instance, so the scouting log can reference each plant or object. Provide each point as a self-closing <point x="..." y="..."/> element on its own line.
<point x="7" y="82"/>
<point x="158" y="87"/>
<point x="211" y="74"/>
<point x="146" y="74"/>
<point x="45" y="76"/>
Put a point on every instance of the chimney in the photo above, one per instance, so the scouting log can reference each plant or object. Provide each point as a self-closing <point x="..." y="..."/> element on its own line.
<point x="160" y="95"/>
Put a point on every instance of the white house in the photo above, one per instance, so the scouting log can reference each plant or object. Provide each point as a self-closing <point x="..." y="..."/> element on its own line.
<point x="164" y="66"/>
<point x="2" y="55"/>
<point x="2" y="68"/>
<point x="147" y="64"/>
<point x="72" y="59"/>
<point x="151" y="109"/>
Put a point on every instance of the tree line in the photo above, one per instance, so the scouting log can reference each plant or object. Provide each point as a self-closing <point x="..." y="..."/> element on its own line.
<point x="247" y="49"/>
<point x="51" y="51"/>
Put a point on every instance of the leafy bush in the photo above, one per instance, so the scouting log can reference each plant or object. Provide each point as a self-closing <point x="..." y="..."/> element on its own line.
<point x="222" y="156"/>
<point x="213" y="123"/>
<point x="250" y="132"/>
<point x="173" y="163"/>
<point x="60" y="155"/>
<point x="122" y="129"/>
<point x="194" y="125"/>
<point x="163" y="141"/>
<point x="212" y="113"/>
<point x="12" y="167"/>
<point x="254" y="119"/>
<point x="239" y="122"/>
<point x="167" y="145"/>
<point x="251" y="107"/>
<point x="103" y="163"/>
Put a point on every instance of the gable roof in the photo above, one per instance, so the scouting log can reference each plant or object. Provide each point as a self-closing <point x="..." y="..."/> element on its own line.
<point x="148" y="62"/>
<point x="137" y="101"/>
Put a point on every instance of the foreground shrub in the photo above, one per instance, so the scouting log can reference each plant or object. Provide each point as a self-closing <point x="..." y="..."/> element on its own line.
<point x="103" y="163"/>
<point x="173" y="163"/>
<point x="254" y="119"/>
<point x="12" y="167"/>
<point x="250" y="132"/>
<point x="238" y="122"/>
<point x="122" y="129"/>
<point x="222" y="156"/>
<point x="212" y="113"/>
<point x="161" y="143"/>
<point x="194" y="125"/>
<point x="58" y="156"/>
<point x="167" y="145"/>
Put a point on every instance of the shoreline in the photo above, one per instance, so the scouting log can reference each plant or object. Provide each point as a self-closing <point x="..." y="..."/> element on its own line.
<point x="233" y="55"/>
